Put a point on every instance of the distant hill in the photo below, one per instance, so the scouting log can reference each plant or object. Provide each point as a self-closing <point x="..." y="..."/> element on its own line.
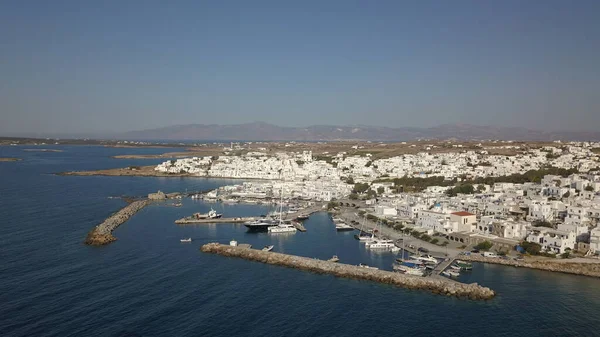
<point x="269" y="132"/>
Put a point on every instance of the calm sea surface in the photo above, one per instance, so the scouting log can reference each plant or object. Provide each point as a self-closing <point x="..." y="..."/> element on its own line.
<point x="149" y="284"/>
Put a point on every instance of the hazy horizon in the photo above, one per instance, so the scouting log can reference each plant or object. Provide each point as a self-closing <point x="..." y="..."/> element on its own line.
<point x="110" y="67"/>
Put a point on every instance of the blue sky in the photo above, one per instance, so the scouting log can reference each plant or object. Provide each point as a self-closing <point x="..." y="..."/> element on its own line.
<point x="101" y="66"/>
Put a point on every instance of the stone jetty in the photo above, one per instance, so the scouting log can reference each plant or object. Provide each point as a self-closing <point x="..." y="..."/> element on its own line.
<point x="102" y="234"/>
<point x="561" y="266"/>
<point x="440" y="286"/>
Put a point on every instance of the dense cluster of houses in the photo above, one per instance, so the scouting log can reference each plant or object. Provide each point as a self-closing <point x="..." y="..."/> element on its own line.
<point x="504" y="213"/>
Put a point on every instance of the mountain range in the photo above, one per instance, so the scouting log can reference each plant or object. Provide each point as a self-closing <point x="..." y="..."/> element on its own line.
<point x="257" y="131"/>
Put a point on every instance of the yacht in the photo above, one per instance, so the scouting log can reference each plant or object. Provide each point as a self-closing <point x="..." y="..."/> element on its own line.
<point x="381" y="244"/>
<point x="428" y="259"/>
<point x="260" y="225"/>
<point x="282" y="228"/>
<point x="268" y="248"/>
<point x="409" y="268"/>
<point x="186" y="240"/>
<point x="341" y="226"/>
<point x="302" y="217"/>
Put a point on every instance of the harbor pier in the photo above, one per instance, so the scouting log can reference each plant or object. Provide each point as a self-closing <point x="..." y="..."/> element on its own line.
<point x="102" y="234"/>
<point x="438" y="285"/>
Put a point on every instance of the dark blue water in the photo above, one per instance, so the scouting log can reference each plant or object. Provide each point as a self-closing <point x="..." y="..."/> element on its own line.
<point x="149" y="284"/>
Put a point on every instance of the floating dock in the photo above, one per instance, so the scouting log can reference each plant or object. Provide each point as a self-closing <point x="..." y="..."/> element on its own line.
<point x="192" y="220"/>
<point x="438" y="285"/>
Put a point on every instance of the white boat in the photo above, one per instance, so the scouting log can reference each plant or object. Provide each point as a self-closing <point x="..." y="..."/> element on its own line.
<point x="334" y="258"/>
<point x="341" y="226"/>
<point x="455" y="267"/>
<point x="409" y="268"/>
<point x="210" y="215"/>
<point x="451" y="273"/>
<point x="268" y="248"/>
<point x="380" y="244"/>
<point x="395" y="249"/>
<point x="186" y="240"/>
<point x="426" y="259"/>
<point x="366" y="267"/>
<point x="233" y="243"/>
<point x="282" y="228"/>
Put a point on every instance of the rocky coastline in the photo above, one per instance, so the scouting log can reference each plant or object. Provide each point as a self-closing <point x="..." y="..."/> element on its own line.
<point x="439" y="286"/>
<point x="10" y="159"/>
<point x="561" y="266"/>
<point x="102" y="233"/>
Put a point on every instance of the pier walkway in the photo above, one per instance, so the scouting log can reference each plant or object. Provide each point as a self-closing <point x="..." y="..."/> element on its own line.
<point x="436" y="285"/>
<point x="192" y="220"/>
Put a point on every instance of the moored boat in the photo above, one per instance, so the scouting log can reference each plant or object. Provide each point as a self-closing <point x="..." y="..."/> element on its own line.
<point x="186" y="240"/>
<point x="334" y="259"/>
<point x="268" y="248"/>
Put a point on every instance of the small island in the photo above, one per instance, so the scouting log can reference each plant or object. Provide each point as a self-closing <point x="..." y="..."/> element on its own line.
<point x="10" y="159"/>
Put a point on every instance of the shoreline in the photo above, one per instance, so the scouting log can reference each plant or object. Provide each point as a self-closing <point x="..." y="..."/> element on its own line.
<point x="440" y="286"/>
<point x="574" y="268"/>
<point x="10" y="159"/>
<point x="148" y="171"/>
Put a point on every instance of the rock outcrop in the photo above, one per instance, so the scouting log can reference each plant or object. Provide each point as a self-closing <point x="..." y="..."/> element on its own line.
<point x="577" y="268"/>
<point x="440" y="286"/>
<point x="102" y="234"/>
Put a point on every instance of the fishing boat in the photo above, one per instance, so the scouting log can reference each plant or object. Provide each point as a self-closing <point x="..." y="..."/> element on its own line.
<point x="395" y="249"/>
<point x="380" y="244"/>
<point x="464" y="265"/>
<point x="334" y="259"/>
<point x="210" y="215"/>
<point x="409" y="268"/>
<point x="233" y="243"/>
<point x="186" y="240"/>
<point x="454" y="267"/>
<point x="268" y="248"/>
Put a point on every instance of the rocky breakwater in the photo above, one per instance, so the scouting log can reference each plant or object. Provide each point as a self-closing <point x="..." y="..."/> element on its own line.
<point x="102" y="234"/>
<point x="561" y="266"/>
<point x="435" y="285"/>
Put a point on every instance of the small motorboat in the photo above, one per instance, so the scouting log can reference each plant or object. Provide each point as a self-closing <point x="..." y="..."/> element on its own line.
<point x="451" y="273"/>
<point x="395" y="249"/>
<point x="186" y="240"/>
<point x="455" y="267"/>
<point x="334" y="258"/>
<point x="366" y="267"/>
<point x="268" y="248"/>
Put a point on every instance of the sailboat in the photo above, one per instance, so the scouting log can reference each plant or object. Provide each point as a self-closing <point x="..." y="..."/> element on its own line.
<point x="410" y="268"/>
<point x="282" y="227"/>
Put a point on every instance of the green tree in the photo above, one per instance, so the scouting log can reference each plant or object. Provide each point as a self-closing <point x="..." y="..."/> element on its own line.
<point x="300" y="162"/>
<point x="434" y="241"/>
<point x="589" y="188"/>
<point x="353" y="196"/>
<point x="531" y="248"/>
<point x="480" y="188"/>
<point x="360" y="188"/>
<point x="380" y="190"/>
<point x="445" y="243"/>
<point x="542" y="223"/>
<point x="566" y="195"/>
<point x="485" y="245"/>
<point x="350" y="180"/>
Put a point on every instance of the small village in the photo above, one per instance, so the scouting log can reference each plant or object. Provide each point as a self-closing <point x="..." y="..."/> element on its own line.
<point x="542" y="201"/>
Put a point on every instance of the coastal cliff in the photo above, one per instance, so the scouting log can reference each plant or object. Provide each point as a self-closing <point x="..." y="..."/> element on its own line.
<point x="578" y="268"/>
<point x="440" y="286"/>
<point x="102" y="234"/>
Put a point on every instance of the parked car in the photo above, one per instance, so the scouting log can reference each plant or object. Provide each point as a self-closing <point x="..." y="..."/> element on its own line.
<point x="411" y="246"/>
<point x="423" y="250"/>
<point x="475" y="251"/>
